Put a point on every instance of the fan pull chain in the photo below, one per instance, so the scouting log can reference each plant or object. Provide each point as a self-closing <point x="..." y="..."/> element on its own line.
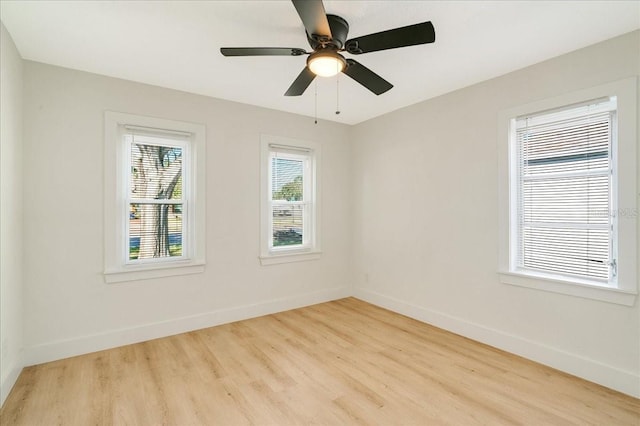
<point x="315" y="114"/>
<point x="337" y="93"/>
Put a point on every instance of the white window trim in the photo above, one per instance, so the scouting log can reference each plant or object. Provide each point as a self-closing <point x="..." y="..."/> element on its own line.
<point x="627" y="211"/>
<point x="116" y="175"/>
<point x="284" y="255"/>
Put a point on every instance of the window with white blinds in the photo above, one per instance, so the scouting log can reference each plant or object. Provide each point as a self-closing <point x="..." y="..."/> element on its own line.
<point x="154" y="197"/>
<point x="290" y="197"/>
<point x="156" y="204"/>
<point x="289" y="200"/>
<point x="564" y="194"/>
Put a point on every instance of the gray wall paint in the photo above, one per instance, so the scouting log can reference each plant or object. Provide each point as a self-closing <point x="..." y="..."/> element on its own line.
<point x="426" y="199"/>
<point x="11" y="283"/>
<point x="67" y="297"/>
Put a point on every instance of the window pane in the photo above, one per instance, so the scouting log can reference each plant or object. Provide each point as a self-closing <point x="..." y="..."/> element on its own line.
<point x="567" y="146"/>
<point x="155" y="231"/>
<point x="581" y="252"/>
<point x="156" y="172"/>
<point x="287" y="225"/>
<point x="572" y="200"/>
<point x="286" y="179"/>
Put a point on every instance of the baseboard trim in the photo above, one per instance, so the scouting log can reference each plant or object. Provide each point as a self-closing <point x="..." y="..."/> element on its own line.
<point x="594" y="371"/>
<point x="92" y="343"/>
<point x="9" y="380"/>
<point x="588" y="369"/>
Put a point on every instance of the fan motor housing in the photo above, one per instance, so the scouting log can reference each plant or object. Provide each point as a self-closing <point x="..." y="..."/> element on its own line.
<point x="339" y="31"/>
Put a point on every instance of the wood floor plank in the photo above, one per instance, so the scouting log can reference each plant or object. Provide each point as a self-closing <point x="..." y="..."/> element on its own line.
<point x="336" y="363"/>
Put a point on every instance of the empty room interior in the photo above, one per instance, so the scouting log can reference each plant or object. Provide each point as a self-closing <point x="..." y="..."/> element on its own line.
<point x="308" y="212"/>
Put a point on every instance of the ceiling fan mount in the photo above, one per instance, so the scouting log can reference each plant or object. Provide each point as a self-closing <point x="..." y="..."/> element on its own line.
<point x="327" y="36"/>
<point x="339" y="31"/>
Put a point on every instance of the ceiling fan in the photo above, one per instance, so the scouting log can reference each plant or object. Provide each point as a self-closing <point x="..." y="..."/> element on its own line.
<point x="327" y="36"/>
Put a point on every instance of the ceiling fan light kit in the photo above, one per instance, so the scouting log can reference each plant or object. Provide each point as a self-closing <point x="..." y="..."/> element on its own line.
<point x="326" y="63"/>
<point x="327" y="36"/>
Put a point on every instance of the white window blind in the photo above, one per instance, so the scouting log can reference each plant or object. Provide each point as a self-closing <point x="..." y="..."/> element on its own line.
<point x="156" y="207"/>
<point x="290" y="197"/>
<point x="564" y="194"/>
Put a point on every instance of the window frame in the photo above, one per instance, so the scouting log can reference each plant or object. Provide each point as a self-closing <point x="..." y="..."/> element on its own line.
<point x="624" y="289"/>
<point x="310" y="248"/>
<point x="118" y="267"/>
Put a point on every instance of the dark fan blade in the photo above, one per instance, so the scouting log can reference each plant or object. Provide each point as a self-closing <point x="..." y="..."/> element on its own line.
<point x="366" y="77"/>
<point x="391" y="39"/>
<point x="313" y="17"/>
<point x="301" y="83"/>
<point x="262" y="51"/>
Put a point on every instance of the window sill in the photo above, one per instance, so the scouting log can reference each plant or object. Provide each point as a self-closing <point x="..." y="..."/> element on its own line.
<point x="570" y="288"/>
<point x="146" y="272"/>
<point x="287" y="257"/>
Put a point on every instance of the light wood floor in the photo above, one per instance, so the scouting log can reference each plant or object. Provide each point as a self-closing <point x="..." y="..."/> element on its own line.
<point x="338" y="363"/>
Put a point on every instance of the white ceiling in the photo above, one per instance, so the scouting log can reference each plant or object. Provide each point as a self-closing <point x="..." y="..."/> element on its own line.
<point x="175" y="44"/>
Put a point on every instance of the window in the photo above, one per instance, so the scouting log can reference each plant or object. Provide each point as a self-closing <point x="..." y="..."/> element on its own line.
<point x="154" y="197"/>
<point x="563" y="184"/>
<point x="570" y="210"/>
<point x="289" y="206"/>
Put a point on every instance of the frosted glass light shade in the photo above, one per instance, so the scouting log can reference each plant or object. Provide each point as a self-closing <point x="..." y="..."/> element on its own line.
<point x="326" y="64"/>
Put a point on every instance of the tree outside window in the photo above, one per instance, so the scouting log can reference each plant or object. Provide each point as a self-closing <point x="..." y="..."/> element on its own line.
<point x="155" y="207"/>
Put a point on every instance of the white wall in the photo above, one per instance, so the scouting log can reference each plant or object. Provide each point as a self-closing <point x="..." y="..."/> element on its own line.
<point x="11" y="287"/>
<point x="426" y="232"/>
<point x="68" y="307"/>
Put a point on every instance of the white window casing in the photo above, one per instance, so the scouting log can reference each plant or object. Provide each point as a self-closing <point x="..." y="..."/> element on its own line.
<point x="132" y="144"/>
<point x="567" y="190"/>
<point x="289" y="200"/>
